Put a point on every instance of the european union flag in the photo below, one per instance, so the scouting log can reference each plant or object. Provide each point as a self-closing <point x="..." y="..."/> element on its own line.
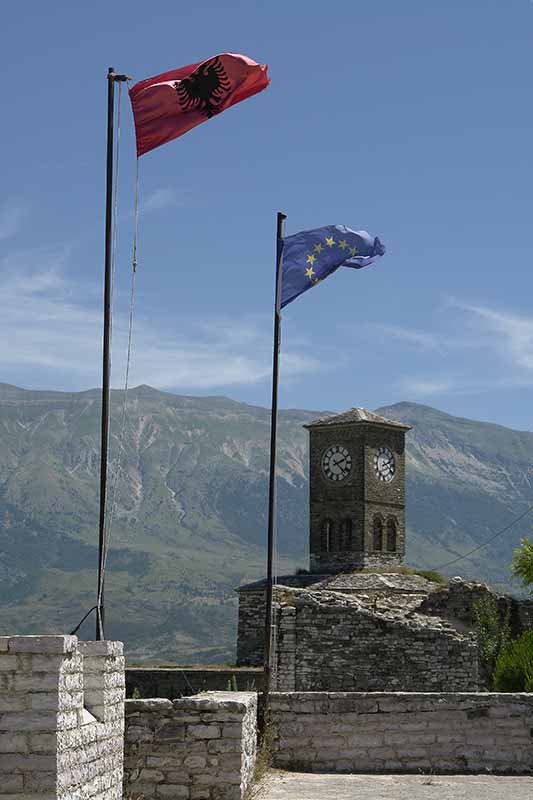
<point x="310" y="256"/>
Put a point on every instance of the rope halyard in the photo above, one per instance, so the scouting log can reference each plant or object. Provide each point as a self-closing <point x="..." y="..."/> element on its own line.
<point x="109" y="517"/>
<point x="113" y="285"/>
<point x="131" y="316"/>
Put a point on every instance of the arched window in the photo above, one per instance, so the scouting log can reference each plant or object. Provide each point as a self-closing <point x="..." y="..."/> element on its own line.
<point x="391" y="535"/>
<point x="326" y="536"/>
<point x="378" y="533"/>
<point x="345" y="541"/>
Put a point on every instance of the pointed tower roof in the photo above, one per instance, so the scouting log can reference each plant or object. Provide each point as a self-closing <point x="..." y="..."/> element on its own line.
<point x="357" y="416"/>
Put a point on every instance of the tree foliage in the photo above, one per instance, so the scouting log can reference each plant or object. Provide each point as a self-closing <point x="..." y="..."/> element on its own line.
<point x="514" y="665"/>
<point x="522" y="564"/>
<point x="493" y="633"/>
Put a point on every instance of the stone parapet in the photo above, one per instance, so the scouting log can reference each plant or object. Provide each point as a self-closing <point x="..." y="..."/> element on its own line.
<point x="199" y="748"/>
<point x="61" y="718"/>
<point x="403" y="732"/>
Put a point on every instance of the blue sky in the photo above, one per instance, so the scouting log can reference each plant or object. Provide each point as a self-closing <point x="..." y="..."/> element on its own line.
<point x="412" y="120"/>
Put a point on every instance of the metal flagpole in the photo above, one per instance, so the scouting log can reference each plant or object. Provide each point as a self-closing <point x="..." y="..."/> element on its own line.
<point x="272" y="480"/>
<point x="106" y="358"/>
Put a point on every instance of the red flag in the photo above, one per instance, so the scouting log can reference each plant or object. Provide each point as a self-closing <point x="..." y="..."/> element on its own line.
<point x="168" y="105"/>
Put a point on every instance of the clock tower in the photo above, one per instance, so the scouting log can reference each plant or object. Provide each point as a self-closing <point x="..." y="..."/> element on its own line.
<point x="357" y="492"/>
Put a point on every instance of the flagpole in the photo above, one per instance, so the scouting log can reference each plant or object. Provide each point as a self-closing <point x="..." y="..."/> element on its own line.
<point x="106" y="353"/>
<point x="272" y="478"/>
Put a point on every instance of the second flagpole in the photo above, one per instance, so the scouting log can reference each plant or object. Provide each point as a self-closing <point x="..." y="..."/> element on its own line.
<point x="267" y="658"/>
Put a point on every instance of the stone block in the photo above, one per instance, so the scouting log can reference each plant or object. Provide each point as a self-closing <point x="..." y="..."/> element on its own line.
<point x="55" y="663"/>
<point x="210" y="731"/>
<point x="220" y="778"/>
<point x="43" y="742"/>
<point x="34" y="721"/>
<point x="10" y="782"/>
<point x="71" y="682"/>
<point x="232" y="731"/>
<point x="164" y="761"/>
<point x="173" y="791"/>
<point x="194" y="763"/>
<point x="151" y="776"/>
<point x="221" y="746"/>
<point x="36" y="682"/>
<point x="172" y="732"/>
<point x="44" y="701"/>
<point x="67" y="719"/>
<point x="103" y="648"/>
<point x="8" y="663"/>
<point x="180" y="777"/>
<point x="32" y="762"/>
<point x="160" y="706"/>
<point x="13" y="703"/>
<point x="199" y="793"/>
<point x="13" y="743"/>
<point x="42" y="644"/>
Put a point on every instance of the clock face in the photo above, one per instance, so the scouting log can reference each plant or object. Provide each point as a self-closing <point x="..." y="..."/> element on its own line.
<point x="384" y="464"/>
<point x="336" y="463"/>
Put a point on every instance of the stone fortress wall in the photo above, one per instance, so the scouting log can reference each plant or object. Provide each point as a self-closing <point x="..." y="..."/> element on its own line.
<point x="457" y="599"/>
<point x="62" y="730"/>
<point x="61" y="718"/>
<point x="372" y="632"/>
<point x="403" y="732"/>
<point x="338" y="644"/>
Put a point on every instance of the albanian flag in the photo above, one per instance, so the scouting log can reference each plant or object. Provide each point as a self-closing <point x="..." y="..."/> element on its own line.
<point x="168" y="105"/>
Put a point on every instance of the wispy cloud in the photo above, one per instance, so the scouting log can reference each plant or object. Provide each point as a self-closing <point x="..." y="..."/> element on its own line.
<point x="419" y="338"/>
<point x="160" y="199"/>
<point x="419" y="387"/>
<point x="11" y="219"/>
<point x="48" y="325"/>
<point x="503" y="331"/>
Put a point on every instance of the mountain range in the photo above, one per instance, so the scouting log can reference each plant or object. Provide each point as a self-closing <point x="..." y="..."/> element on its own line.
<point x="189" y="510"/>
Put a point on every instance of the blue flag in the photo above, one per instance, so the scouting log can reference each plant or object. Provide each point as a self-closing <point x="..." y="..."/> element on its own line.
<point x="310" y="256"/>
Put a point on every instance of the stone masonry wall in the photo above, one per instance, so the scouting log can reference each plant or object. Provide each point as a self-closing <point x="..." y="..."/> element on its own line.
<point x="61" y="718"/>
<point x="250" y="633"/>
<point x="199" y="748"/>
<point x="336" y="645"/>
<point x="396" y="732"/>
<point x="457" y="599"/>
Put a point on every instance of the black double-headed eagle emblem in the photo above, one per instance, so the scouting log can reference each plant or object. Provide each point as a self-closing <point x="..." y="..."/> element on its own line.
<point x="204" y="89"/>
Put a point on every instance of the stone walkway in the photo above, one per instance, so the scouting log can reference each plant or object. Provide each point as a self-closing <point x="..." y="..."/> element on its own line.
<point x="306" y="786"/>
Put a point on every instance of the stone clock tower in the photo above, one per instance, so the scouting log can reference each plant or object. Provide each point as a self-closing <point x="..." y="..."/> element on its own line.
<point x="357" y="492"/>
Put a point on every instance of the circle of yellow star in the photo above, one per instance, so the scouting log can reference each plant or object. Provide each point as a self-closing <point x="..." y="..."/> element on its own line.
<point x="353" y="251"/>
<point x="311" y="259"/>
<point x="330" y="242"/>
<point x="318" y="248"/>
<point x="310" y="272"/>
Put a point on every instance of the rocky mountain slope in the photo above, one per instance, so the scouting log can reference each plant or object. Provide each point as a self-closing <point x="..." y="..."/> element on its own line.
<point x="189" y="521"/>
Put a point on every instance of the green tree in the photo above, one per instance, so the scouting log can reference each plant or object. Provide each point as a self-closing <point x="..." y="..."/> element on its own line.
<point x="493" y="633"/>
<point x="522" y="564"/>
<point x="514" y="666"/>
